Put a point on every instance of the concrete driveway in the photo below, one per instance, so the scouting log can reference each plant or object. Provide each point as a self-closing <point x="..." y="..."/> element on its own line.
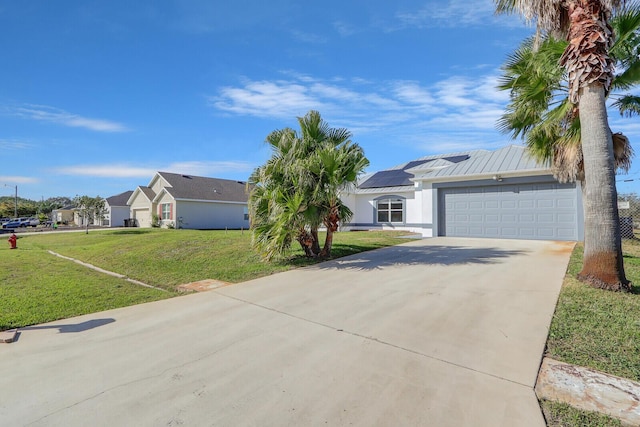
<point x="436" y="332"/>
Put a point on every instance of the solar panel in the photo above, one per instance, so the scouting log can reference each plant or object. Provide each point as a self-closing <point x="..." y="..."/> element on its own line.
<point x="391" y="178"/>
<point x="399" y="177"/>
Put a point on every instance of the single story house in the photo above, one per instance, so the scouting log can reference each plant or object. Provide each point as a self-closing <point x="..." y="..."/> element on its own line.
<point x="64" y="215"/>
<point x="188" y="201"/>
<point x="500" y="194"/>
<point x="116" y="209"/>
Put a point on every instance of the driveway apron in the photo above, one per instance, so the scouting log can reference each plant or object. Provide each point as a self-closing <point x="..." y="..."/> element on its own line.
<point x="434" y="332"/>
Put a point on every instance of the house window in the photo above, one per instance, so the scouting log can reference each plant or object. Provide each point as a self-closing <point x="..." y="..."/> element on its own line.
<point x="246" y="213"/>
<point x="390" y="210"/>
<point x="165" y="211"/>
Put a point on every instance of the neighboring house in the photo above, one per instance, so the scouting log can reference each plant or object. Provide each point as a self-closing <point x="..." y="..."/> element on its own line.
<point x="63" y="215"/>
<point x="117" y="209"/>
<point x="501" y="194"/>
<point x="188" y="201"/>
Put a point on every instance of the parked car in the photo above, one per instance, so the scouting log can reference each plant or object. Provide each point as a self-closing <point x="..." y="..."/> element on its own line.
<point x="30" y="222"/>
<point x="14" y="223"/>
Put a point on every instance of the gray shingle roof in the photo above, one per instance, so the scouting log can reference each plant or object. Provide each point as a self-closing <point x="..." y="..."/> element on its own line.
<point x="119" y="199"/>
<point x="147" y="192"/>
<point x="191" y="187"/>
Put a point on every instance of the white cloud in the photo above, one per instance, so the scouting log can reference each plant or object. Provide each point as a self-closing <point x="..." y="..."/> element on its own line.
<point x="402" y="108"/>
<point x="454" y="13"/>
<point x="119" y="170"/>
<point x="10" y="181"/>
<point x="209" y="168"/>
<point x="106" y="171"/>
<point x="305" y="37"/>
<point x="10" y="144"/>
<point x="58" y="116"/>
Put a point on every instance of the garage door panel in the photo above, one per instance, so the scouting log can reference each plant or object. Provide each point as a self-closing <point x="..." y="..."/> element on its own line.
<point x="566" y="203"/>
<point x="566" y="218"/>
<point x="530" y="211"/>
<point x="526" y="204"/>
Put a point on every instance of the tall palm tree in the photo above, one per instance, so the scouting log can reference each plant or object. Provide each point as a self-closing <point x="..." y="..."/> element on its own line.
<point x="540" y="111"/>
<point x="589" y="67"/>
<point x="297" y="189"/>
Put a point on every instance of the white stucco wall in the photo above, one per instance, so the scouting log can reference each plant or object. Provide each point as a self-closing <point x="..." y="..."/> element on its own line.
<point x="363" y="206"/>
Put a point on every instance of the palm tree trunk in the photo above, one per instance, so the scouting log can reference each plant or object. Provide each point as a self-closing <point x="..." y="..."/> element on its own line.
<point x="603" y="264"/>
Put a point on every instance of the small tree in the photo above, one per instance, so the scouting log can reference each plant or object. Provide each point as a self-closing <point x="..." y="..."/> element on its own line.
<point x="91" y="209"/>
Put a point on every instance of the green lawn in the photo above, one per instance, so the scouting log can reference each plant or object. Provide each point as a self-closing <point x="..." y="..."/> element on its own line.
<point x="596" y="329"/>
<point x="37" y="287"/>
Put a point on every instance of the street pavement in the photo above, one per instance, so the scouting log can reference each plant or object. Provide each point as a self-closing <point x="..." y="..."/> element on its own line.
<point x="434" y="332"/>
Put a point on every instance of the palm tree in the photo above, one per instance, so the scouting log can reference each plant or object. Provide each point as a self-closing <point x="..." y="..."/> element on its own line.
<point x="589" y="67"/>
<point x="297" y="189"/>
<point x="334" y="169"/>
<point x="540" y="111"/>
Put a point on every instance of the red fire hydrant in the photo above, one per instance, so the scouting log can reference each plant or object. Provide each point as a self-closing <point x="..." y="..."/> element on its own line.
<point x="13" y="240"/>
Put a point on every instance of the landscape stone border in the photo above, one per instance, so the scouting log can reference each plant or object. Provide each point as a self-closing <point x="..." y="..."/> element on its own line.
<point x="589" y="390"/>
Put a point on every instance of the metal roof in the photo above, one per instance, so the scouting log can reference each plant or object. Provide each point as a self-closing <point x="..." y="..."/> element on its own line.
<point x="509" y="159"/>
<point x="402" y="175"/>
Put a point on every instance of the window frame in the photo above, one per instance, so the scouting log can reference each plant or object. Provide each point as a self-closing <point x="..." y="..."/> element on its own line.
<point x="162" y="211"/>
<point x="390" y="210"/>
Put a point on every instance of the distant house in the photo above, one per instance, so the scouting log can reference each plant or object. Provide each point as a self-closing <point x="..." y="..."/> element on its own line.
<point x="188" y="201"/>
<point x="499" y="194"/>
<point x="117" y="209"/>
<point x="64" y="215"/>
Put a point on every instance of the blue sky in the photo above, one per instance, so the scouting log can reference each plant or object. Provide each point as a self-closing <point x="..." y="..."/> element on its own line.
<point x="95" y="96"/>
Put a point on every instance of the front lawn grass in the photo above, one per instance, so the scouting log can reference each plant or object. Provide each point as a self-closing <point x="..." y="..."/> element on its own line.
<point x="37" y="287"/>
<point x="563" y="415"/>
<point x="597" y="329"/>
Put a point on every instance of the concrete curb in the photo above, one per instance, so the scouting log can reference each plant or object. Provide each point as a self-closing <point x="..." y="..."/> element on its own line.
<point x="8" y="336"/>
<point x="590" y="390"/>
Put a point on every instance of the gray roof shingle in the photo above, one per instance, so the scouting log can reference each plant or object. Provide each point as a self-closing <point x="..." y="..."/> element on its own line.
<point x="119" y="199"/>
<point x="191" y="187"/>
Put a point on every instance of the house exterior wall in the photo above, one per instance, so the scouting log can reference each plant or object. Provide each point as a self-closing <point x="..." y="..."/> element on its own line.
<point x="62" y="216"/>
<point x="423" y="210"/>
<point x="141" y="209"/>
<point x="159" y="184"/>
<point x="116" y="216"/>
<point x="365" y="211"/>
<point x="210" y="215"/>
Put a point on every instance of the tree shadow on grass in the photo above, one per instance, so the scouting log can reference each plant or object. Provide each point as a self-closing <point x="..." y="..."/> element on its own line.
<point x="421" y="255"/>
<point x="132" y="231"/>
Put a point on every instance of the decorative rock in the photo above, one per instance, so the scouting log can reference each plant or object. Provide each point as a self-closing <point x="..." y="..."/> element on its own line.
<point x="590" y="390"/>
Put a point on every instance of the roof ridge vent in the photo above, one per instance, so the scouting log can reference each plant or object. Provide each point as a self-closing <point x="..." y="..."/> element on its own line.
<point x="186" y="176"/>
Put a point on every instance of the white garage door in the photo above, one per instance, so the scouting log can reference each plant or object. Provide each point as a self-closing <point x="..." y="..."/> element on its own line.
<point x="143" y="217"/>
<point x="519" y="211"/>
